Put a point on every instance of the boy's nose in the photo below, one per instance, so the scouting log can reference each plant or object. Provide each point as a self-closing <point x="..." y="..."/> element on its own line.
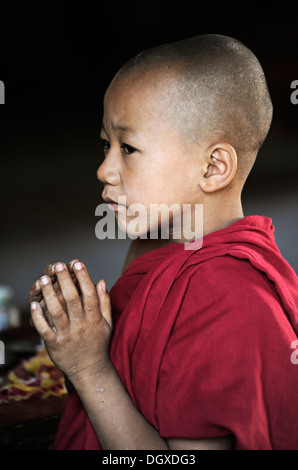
<point x="107" y="175"/>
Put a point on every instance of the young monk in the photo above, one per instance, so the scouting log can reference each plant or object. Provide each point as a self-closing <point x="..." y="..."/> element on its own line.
<point x="192" y="348"/>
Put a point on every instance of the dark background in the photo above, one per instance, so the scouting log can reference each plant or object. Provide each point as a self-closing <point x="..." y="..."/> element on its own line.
<point x="56" y="62"/>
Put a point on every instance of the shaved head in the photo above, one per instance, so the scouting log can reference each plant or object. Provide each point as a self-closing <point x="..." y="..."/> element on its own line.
<point x="213" y="88"/>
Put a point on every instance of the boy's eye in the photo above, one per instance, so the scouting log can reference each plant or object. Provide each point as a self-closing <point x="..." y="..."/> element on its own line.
<point x="128" y="149"/>
<point x="105" y="144"/>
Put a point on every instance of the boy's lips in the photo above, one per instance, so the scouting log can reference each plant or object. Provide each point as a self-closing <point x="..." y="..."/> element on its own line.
<point x="112" y="203"/>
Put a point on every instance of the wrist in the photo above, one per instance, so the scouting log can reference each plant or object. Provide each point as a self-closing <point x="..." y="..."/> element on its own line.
<point x="92" y="374"/>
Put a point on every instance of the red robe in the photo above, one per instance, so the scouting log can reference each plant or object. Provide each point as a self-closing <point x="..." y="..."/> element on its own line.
<point x="204" y="342"/>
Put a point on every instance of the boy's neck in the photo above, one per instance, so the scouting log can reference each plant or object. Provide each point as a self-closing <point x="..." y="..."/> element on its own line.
<point x="227" y="212"/>
<point x="223" y="215"/>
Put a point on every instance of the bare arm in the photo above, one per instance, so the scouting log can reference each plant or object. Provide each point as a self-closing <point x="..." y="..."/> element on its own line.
<point x="119" y="424"/>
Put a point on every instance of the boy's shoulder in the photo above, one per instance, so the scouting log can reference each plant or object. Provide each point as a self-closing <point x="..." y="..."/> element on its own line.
<point x="233" y="286"/>
<point x="228" y="300"/>
<point x="226" y="269"/>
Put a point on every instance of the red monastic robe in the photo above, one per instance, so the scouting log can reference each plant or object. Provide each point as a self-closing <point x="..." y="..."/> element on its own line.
<point x="204" y="342"/>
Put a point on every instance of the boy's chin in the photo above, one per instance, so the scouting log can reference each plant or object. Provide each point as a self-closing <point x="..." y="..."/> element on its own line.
<point x="142" y="231"/>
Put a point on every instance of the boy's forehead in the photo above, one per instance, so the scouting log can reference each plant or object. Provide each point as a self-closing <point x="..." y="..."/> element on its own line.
<point x="132" y="95"/>
<point x="127" y="87"/>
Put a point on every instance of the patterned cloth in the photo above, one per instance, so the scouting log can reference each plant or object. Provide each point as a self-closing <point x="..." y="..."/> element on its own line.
<point x="34" y="377"/>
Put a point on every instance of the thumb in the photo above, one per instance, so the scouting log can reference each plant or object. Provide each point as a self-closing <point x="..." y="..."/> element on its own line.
<point x="104" y="301"/>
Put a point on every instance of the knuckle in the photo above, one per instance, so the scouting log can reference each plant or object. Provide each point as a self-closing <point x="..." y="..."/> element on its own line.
<point x="48" y="336"/>
<point x="72" y="299"/>
<point x="91" y="303"/>
<point x="44" y="332"/>
<point x="57" y="312"/>
<point x="90" y="294"/>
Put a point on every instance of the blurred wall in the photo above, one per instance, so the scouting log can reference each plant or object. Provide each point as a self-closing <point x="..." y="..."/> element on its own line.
<point x="56" y="63"/>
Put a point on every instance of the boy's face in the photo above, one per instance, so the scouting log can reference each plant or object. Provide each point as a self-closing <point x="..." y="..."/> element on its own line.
<point x="146" y="158"/>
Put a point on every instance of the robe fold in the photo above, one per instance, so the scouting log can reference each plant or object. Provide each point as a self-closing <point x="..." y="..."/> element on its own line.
<point x="205" y="342"/>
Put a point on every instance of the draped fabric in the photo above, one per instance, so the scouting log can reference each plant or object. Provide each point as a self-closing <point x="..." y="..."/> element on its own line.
<point x="203" y="342"/>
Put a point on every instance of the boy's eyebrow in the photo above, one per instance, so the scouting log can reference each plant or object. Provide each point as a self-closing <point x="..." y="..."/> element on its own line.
<point x="119" y="127"/>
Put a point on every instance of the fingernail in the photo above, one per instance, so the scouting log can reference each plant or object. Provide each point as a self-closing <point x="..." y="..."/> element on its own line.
<point x="78" y="266"/>
<point x="33" y="305"/>
<point x="103" y="286"/>
<point x="59" y="267"/>
<point x="44" y="280"/>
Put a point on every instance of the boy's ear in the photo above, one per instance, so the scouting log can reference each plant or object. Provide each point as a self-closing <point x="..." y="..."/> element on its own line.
<point x="220" y="167"/>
